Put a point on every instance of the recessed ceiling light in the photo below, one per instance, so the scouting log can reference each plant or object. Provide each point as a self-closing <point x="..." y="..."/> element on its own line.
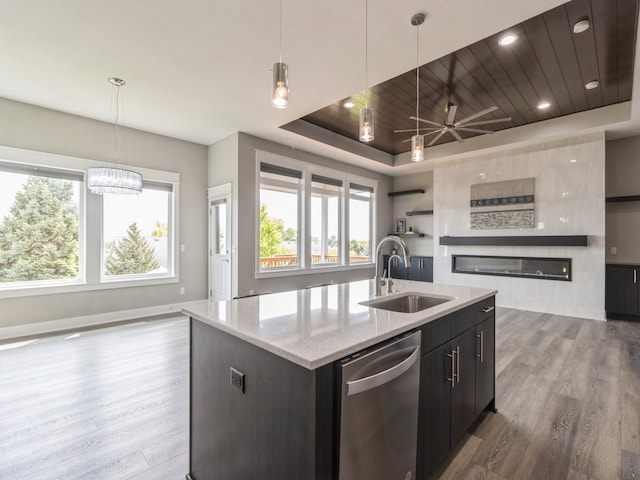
<point x="581" y="26"/>
<point x="573" y="160"/>
<point x="348" y="104"/>
<point x="507" y="39"/>
<point x="543" y="105"/>
<point x="592" y="84"/>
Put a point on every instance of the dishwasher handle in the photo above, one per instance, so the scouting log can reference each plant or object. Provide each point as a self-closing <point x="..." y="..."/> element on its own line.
<point x="373" y="381"/>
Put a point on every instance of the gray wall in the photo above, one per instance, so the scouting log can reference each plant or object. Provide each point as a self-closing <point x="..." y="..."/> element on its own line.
<point x="244" y="210"/>
<point x="623" y="219"/>
<point x="34" y="128"/>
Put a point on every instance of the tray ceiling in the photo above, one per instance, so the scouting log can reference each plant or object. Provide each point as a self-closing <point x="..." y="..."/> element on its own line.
<point x="547" y="62"/>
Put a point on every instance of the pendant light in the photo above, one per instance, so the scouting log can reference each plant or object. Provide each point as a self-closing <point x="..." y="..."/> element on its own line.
<point x="280" y="85"/>
<point x="366" y="113"/>
<point x="417" y="141"/>
<point x="114" y="180"/>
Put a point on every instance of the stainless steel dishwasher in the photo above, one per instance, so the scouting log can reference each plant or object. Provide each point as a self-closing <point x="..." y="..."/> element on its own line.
<point x="379" y="411"/>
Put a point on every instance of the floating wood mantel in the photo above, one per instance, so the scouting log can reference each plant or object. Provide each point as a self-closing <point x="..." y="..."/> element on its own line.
<point x="627" y="198"/>
<point x="419" y="212"/>
<point x="520" y="241"/>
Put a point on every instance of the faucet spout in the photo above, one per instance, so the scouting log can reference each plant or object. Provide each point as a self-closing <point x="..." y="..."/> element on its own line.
<point x="405" y="253"/>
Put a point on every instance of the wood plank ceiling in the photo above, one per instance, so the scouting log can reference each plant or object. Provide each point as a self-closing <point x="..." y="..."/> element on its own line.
<point x="547" y="62"/>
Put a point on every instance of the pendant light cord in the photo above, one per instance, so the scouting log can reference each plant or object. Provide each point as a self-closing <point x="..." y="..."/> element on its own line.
<point x="116" y="124"/>
<point x="366" y="54"/>
<point x="280" y="31"/>
<point x="417" y="78"/>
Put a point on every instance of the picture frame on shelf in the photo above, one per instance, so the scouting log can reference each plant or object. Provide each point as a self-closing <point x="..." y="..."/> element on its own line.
<point x="400" y="225"/>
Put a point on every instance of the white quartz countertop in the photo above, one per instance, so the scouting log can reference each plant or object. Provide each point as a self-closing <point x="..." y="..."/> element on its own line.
<point x="316" y="326"/>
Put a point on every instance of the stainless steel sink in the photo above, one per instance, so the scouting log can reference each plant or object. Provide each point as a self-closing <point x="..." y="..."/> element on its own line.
<point x="407" y="303"/>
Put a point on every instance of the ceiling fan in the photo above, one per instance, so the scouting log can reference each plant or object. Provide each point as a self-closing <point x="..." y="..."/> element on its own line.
<point x="452" y="127"/>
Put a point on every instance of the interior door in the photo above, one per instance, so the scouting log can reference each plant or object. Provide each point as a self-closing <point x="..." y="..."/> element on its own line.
<point x="220" y="270"/>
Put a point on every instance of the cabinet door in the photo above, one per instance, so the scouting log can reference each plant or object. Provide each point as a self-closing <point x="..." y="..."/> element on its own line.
<point x="434" y="434"/>
<point x="398" y="270"/>
<point x="621" y="291"/>
<point x="463" y="395"/>
<point x="421" y="269"/>
<point x="485" y="363"/>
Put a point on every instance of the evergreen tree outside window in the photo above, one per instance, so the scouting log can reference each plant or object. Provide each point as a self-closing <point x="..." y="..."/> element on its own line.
<point x="136" y="239"/>
<point x="39" y="226"/>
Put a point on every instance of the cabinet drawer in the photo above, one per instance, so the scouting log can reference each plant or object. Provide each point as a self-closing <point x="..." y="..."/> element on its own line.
<point x="472" y="316"/>
<point x="435" y="333"/>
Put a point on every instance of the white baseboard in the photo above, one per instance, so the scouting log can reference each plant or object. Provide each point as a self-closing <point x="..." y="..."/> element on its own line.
<point x="52" y="326"/>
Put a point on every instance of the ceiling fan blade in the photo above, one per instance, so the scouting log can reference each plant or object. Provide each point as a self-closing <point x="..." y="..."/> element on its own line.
<point x="431" y="133"/>
<point x="426" y="121"/>
<point x="442" y="132"/>
<point x="407" y="140"/>
<point x="452" y="114"/>
<point x="485" y="122"/>
<point x="413" y="129"/>
<point x="456" y="134"/>
<point x="476" y="115"/>
<point x="476" y="130"/>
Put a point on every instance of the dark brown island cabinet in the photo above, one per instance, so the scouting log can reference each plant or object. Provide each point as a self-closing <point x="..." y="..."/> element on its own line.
<point x="622" y="292"/>
<point x="255" y="415"/>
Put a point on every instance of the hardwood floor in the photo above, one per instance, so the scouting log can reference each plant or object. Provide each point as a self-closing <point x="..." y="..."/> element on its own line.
<point x="568" y="399"/>
<point x="108" y="404"/>
<point x="113" y="404"/>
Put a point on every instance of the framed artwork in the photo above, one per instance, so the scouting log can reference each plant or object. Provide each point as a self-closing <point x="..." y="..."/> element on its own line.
<point x="400" y="225"/>
<point x="503" y="205"/>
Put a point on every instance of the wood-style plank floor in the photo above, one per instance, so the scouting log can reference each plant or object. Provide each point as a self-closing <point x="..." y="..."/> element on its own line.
<point x="568" y="399"/>
<point x="112" y="404"/>
<point x="108" y="404"/>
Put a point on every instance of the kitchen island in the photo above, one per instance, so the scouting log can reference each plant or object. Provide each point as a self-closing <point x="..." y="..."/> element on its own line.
<point x="264" y="373"/>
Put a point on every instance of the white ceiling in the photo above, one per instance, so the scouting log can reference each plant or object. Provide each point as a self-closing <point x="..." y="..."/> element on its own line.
<point x="199" y="70"/>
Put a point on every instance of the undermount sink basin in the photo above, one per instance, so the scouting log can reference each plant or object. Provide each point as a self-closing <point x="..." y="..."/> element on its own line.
<point x="407" y="303"/>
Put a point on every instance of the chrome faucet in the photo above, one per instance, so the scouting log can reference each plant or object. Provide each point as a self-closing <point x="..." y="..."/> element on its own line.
<point x="405" y="253"/>
<point x="389" y="281"/>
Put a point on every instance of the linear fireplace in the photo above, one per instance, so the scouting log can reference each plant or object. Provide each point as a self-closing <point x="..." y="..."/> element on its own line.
<point x="526" y="267"/>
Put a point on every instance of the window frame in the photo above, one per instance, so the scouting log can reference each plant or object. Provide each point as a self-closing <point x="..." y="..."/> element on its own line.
<point x="90" y="226"/>
<point x="304" y="212"/>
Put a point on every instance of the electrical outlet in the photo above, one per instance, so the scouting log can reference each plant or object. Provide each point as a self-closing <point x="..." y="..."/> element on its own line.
<point x="181" y="290"/>
<point x="614" y="250"/>
<point x="237" y="379"/>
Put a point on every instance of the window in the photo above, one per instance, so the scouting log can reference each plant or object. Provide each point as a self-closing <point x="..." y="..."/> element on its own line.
<point x="360" y="212"/>
<point x="56" y="237"/>
<point x="40" y="224"/>
<point x="136" y="233"/>
<point x="302" y="210"/>
<point x="326" y="195"/>
<point x="279" y="220"/>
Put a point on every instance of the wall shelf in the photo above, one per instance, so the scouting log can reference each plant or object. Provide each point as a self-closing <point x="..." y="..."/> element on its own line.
<point x="627" y="198"/>
<point x="520" y="241"/>
<point x="408" y="234"/>
<point x="419" y="212"/>
<point x="406" y="192"/>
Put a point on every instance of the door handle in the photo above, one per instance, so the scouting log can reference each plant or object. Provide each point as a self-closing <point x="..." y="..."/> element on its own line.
<point x="458" y="364"/>
<point x="481" y="337"/>
<point x="373" y="381"/>
<point x="635" y="276"/>
<point x="452" y="379"/>
<point x="488" y="309"/>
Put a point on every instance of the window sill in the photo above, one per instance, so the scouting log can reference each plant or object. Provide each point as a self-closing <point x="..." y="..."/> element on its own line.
<point x="313" y="270"/>
<point x="85" y="287"/>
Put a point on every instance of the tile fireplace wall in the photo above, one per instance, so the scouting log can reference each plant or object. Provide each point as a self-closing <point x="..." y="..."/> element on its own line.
<point x="569" y="200"/>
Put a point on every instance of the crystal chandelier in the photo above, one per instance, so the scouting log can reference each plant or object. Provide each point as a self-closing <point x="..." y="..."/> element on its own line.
<point x="114" y="180"/>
